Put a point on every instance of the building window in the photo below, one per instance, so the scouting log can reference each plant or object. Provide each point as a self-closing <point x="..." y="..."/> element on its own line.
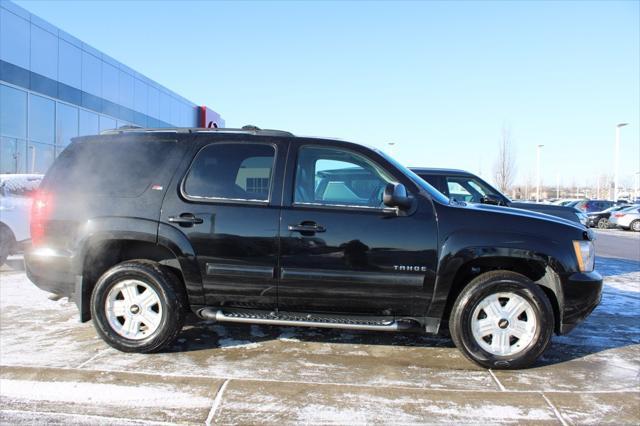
<point x="39" y="157"/>
<point x="13" y="120"/>
<point x="89" y="123"/>
<point x="257" y="185"/>
<point x="107" y="123"/>
<point x="14" y="39"/>
<point x="13" y="155"/>
<point x="66" y="124"/>
<point x="42" y="119"/>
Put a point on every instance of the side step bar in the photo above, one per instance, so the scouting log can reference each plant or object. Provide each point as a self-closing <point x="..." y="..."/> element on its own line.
<point x="304" y="320"/>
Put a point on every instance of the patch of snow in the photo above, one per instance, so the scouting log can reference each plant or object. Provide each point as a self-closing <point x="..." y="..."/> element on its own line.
<point x="20" y="184"/>
<point x="103" y="394"/>
<point x="230" y="343"/>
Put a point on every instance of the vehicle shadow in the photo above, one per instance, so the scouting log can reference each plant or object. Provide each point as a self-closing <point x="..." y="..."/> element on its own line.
<point x="614" y="324"/>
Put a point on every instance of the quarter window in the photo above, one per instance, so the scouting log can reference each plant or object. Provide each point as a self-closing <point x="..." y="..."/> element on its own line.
<point x="236" y="171"/>
<point x="329" y="176"/>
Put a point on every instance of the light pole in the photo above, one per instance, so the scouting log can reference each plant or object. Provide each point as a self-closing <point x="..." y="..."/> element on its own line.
<point x="538" y="173"/>
<point x="616" y="161"/>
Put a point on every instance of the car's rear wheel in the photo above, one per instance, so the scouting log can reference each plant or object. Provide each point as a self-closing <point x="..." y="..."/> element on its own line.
<point x="635" y="226"/>
<point x="603" y="223"/>
<point x="138" y="306"/>
<point x="502" y="320"/>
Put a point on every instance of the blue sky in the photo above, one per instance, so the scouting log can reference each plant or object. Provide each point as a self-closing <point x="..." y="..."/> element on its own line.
<point x="439" y="79"/>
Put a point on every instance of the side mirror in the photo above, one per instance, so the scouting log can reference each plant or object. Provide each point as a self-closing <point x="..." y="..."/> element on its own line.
<point x="491" y="199"/>
<point x="395" y="195"/>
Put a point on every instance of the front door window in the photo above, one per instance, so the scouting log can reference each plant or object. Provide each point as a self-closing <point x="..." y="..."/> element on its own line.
<point x="334" y="177"/>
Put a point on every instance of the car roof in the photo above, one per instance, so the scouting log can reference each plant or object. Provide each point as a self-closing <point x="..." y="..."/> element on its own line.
<point x="440" y="171"/>
<point x="249" y="130"/>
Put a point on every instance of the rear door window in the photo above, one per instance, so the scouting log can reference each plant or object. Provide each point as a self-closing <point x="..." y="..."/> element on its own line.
<point x="231" y="171"/>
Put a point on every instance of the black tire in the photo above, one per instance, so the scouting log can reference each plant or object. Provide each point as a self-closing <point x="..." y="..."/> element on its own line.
<point x="501" y="282"/>
<point x="7" y="243"/>
<point x="603" y="223"/>
<point x="171" y="295"/>
<point x="635" y="225"/>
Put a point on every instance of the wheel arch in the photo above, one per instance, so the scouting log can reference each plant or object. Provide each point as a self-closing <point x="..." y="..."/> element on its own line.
<point x="105" y="248"/>
<point x="458" y="270"/>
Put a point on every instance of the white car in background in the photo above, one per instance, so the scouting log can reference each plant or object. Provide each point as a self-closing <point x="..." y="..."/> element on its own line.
<point x="628" y="218"/>
<point x="15" y="207"/>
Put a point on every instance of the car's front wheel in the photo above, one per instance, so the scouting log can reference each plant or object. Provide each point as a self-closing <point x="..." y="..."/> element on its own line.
<point x="502" y="320"/>
<point x="138" y="306"/>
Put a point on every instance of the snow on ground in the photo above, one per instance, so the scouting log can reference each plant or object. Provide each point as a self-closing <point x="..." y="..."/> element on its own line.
<point x="100" y="393"/>
<point x="344" y="376"/>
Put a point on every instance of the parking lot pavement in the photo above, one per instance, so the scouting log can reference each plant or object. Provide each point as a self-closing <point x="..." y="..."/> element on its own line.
<point x="617" y="243"/>
<point x="56" y="370"/>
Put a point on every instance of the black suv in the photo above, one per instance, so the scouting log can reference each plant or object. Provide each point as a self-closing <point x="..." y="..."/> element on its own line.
<point x="467" y="187"/>
<point x="249" y="226"/>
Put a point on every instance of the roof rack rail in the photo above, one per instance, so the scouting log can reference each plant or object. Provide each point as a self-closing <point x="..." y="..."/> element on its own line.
<point x="253" y="130"/>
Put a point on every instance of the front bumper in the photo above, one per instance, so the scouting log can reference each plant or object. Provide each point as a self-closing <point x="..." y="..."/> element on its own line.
<point x="582" y="292"/>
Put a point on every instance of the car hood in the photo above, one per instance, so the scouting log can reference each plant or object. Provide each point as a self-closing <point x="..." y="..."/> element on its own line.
<point x="541" y="207"/>
<point x="514" y="210"/>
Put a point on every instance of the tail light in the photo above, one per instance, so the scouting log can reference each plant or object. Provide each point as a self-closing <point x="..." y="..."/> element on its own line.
<point x="40" y="211"/>
<point x="618" y="214"/>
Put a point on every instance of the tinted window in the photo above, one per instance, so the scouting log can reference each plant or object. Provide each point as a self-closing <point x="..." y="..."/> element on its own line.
<point x="435" y="181"/>
<point x="458" y="192"/>
<point x="13" y="155"/>
<point x="39" y="157"/>
<point x="120" y="166"/>
<point x="336" y="177"/>
<point x="66" y="124"/>
<point x="13" y="120"/>
<point x="42" y="119"/>
<point x="469" y="189"/>
<point x="89" y="123"/>
<point x="237" y="171"/>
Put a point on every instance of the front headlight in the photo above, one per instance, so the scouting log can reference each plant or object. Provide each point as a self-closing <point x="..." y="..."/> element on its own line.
<point x="585" y="254"/>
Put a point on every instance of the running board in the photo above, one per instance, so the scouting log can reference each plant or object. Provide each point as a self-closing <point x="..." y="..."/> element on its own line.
<point x="296" y="319"/>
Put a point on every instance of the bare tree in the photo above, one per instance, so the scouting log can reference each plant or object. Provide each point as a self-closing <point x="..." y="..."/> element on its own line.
<point x="504" y="169"/>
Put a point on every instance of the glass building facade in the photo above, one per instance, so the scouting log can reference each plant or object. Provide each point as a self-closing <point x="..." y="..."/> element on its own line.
<point x="54" y="87"/>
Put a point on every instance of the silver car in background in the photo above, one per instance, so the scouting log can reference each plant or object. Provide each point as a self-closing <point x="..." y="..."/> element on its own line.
<point x="628" y="218"/>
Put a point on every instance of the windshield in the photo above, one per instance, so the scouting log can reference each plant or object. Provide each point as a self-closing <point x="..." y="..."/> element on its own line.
<point x="435" y="194"/>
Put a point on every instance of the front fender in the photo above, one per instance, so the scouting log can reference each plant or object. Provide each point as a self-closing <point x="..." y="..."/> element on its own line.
<point x="461" y="248"/>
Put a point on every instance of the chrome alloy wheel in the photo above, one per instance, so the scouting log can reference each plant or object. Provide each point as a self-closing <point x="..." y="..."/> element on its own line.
<point x="133" y="309"/>
<point x="503" y="324"/>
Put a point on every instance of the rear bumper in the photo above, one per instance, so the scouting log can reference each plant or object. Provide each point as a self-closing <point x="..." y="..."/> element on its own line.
<point x="582" y="292"/>
<point x="51" y="270"/>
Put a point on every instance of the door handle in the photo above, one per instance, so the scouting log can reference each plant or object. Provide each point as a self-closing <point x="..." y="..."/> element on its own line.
<point x="307" y="227"/>
<point x="185" y="219"/>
